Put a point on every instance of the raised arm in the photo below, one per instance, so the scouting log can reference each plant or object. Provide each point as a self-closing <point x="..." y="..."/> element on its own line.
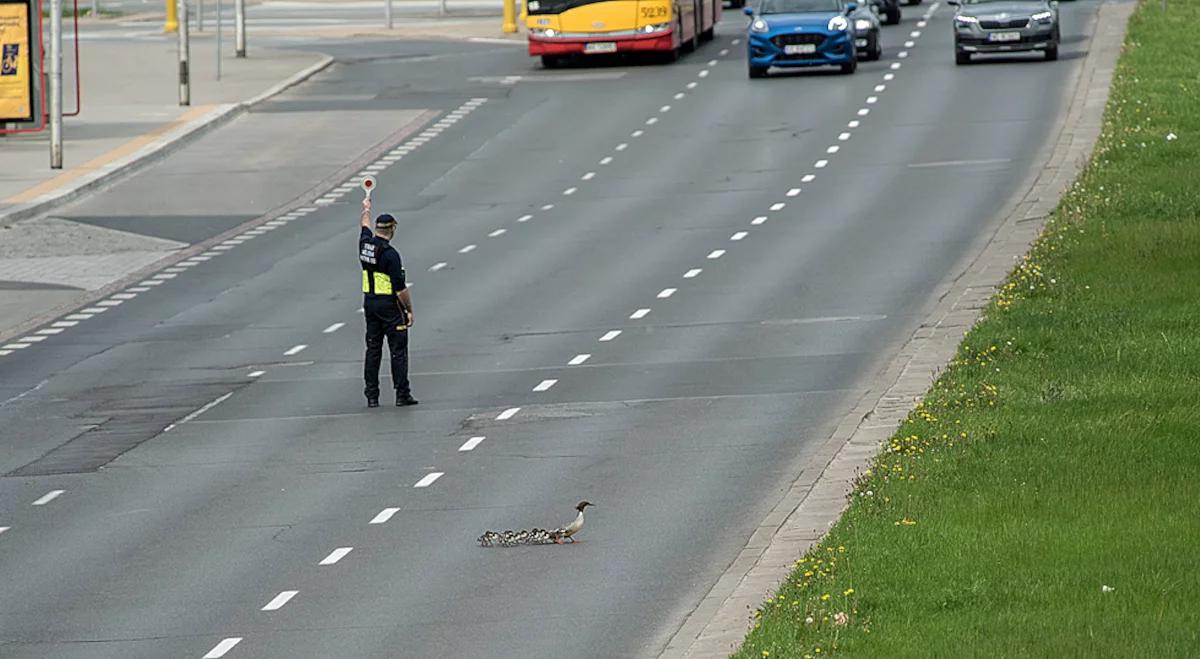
<point x="366" y="214"/>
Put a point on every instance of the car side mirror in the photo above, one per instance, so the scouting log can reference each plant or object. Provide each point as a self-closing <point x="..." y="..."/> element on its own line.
<point x="749" y="11"/>
<point x="851" y="7"/>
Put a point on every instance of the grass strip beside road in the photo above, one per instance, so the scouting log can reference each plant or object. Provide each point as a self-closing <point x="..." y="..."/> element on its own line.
<point x="1044" y="498"/>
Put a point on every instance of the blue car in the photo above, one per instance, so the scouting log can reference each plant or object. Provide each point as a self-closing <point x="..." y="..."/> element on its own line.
<point x="795" y="33"/>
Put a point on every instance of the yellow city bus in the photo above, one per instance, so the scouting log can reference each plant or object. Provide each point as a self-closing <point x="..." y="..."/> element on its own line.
<point x="561" y="29"/>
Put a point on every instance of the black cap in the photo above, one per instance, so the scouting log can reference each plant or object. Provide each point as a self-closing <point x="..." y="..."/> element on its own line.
<point x="385" y="221"/>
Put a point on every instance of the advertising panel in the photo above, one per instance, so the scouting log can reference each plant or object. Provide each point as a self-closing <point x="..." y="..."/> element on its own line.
<point x="16" y="61"/>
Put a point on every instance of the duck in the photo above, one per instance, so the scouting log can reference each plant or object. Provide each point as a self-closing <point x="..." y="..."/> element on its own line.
<point x="536" y="536"/>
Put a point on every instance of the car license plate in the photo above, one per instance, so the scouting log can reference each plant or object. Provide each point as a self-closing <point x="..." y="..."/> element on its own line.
<point x="799" y="49"/>
<point x="860" y="43"/>
<point x="1004" y="36"/>
<point x="600" y="47"/>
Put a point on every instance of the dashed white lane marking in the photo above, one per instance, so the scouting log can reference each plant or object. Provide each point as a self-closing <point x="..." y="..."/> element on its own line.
<point x="692" y="85"/>
<point x="50" y="331"/>
<point x="862" y="112"/>
<point x="758" y="220"/>
<point x="151" y="282"/>
<point x="853" y="124"/>
<point x="871" y="100"/>
<point x="914" y="34"/>
<point x="639" y="314"/>
<point x="32" y="339"/>
<point x="138" y="289"/>
<point x="807" y="178"/>
<point x="651" y="121"/>
<point x="610" y="335"/>
<point x="497" y="233"/>
<point x="735" y="42"/>
<point x="429" y="479"/>
<point x="902" y="54"/>
<point x="909" y="44"/>
<point x="921" y="23"/>
<point x="622" y="146"/>
<point x="693" y="273"/>
<point x="110" y="303"/>
<point x="470" y="444"/>
<point x="889" y="76"/>
<point x="255" y="374"/>
<point x="820" y="164"/>
<point x="793" y="192"/>
<point x="79" y="316"/>
<point x="223" y="647"/>
<point x="637" y="133"/>
<point x="508" y="414"/>
<point x="545" y="385"/>
<point x="4" y="528"/>
<point x="605" y="160"/>
<point x="295" y="350"/>
<point x="739" y="235"/>
<point x="579" y="359"/>
<point x="588" y="176"/>
<point x="48" y="497"/>
<point x="15" y="346"/>
<point x="716" y="254"/>
<point x="724" y="52"/>
<point x="333" y="328"/>
<point x="833" y="149"/>
<point x="712" y="62"/>
<point x="467" y="249"/>
<point x="5" y="353"/>
<point x="280" y="599"/>
<point x="666" y="293"/>
<point x="384" y="515"/>
<point x="665" y="108"/>
<point x="778" y="206"/>
<point x="895" y="66"/>
<point x="880" y="88"/>
<point x="703" y="73"/>
<point x="548" y="207"/>
<point x="570" y="191"/>
<point x="524" y="218"/>
<point x="165" y="275"/>
<point x="438" y="266"/>
<point x="336" y="555"/>
<point x="679" y="95"/>
<point x="842" y="137"/>
<point x="208" y="406"/>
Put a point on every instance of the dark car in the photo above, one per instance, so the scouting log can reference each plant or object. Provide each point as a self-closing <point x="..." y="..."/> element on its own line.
<point x="1005" y="26"/>
<point x="866" y="32"/>
<point x="889" y="10"/>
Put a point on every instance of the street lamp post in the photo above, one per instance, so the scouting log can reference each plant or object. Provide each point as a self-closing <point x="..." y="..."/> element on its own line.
<point x="239" y="28"/>
<point x="56" y="151"/>
<point x="185" y="79"/>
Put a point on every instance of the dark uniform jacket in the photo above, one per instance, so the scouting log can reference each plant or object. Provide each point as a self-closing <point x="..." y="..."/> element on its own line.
<point x="382" y="270"/>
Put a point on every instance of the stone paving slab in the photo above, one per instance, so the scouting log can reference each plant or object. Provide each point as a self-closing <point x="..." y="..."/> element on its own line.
<point x="817" y="498"/>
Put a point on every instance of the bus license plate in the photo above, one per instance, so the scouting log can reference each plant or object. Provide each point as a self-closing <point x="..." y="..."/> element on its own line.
<point x="600" y="47"/>
<point x="1004" y="36"/>
<point x="799" y="49"/>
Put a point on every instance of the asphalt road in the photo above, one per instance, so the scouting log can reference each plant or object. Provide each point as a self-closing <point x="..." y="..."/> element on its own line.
<point x="683" y="429"/>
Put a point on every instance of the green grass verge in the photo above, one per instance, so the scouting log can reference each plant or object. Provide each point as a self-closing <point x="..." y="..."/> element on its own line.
<point x="1043" y="500"/>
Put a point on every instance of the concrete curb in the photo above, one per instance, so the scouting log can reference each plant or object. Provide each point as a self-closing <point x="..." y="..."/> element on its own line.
<point x="156" y="150"/>
<point x="816" y="499"/>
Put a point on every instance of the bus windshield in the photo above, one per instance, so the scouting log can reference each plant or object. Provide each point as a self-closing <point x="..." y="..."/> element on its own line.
<point x="799" y="6"/>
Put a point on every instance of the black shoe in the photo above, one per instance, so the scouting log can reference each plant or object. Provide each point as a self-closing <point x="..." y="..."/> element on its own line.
<point x="372" y="402"/>
<point x="404" y="400"/>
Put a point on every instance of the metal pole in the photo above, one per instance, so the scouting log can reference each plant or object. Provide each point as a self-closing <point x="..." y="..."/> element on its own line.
<point x="172" y="22"/>
<point x="387" y="13"/>
<point x="185" y="79"/>
<point x="200" y="15"/>
<point x="218" y="39"/>
<point x="442" y="7"/>
<point x="95" y="8"/>
<point x="510" y="17"/>
<point x="56" y="150"/>
<point x="239" y="28"/>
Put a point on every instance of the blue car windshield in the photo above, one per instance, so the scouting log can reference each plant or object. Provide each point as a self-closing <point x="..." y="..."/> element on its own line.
<point x="799" y="6"/>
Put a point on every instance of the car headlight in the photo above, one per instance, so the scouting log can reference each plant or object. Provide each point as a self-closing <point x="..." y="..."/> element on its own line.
<point x="759" y="25"/>
<point x="1043" y="16"/>
<point x="837" y="24"/>
<point x="659" y="27"/>
<point x="543" y="32"/>
<point x="862" y="24"/>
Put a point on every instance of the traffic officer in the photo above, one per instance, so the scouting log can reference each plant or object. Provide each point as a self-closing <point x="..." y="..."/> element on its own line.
<point x="387" y="306"/>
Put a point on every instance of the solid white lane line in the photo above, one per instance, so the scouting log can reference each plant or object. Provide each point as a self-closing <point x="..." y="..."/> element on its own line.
<point x="497" y="233"/>
<point x="524" y="218"/>
<point x="758" y="220"/>
<point x="739" y="235"/>
<point x="579" y="359"/>
<point x="508" y="414"/>
<point x="610" y="335"/>
<point x="48" y="497"/>
<point x="333" y="328"/>
<point x="778" y="206"/>
<point x="605" y="160"/>
<point x="793" y="192"/>
<point x="467" y="249"/>
<point x="384" y="515"/>
<point x="588" y="176"/>
<point x="438" y="266"/>
<point x="639" y="314"/>
<point x="820" y="164"/>
<point x="666" y="293"/>
<point x="694" y="272"/>
<point x="470" y="444"/>
<point x="280" y="599"/>
<point x="336" y="555"/>
<point x="569" y="191"/>
<point x="221" y="648"/>
<point x="295" y="350"/>
<point x="545" y="385"/>
<point x="429" y="479"/>
<point x="716" y="254"/>
<point x="622" y="146"/>
<point x="255" y="374"/>
<point x="833" y="149"/>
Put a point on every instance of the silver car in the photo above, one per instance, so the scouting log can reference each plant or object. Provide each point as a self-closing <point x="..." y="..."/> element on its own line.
<point x="1005" y="26"/>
